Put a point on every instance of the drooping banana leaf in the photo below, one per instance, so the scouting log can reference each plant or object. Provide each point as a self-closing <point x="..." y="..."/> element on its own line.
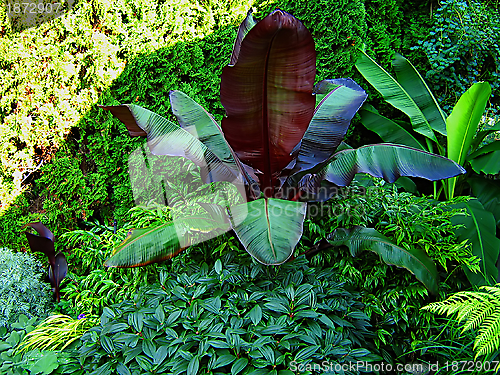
<point x="267" y="94"/>
<point x="248" y="23"/>
<point x="270" y="228"/>
<point x="166" y="138"/>
<point x="193" y="118"/>
<point x="462" y="124"/>
<point x="394" y="94"/>
<point x="414" y="260"/>
<point x="388" y="130"/>
<point x="482" y="134"/>
<point x="411" y="80"/>
<point x="389" y="162"/>
<point x="330" y="121"/>
<point x="486" y="159"/>
<point x="479" y="229"/>
<point x="156" y="244"/>
<point x="488" y="193"/>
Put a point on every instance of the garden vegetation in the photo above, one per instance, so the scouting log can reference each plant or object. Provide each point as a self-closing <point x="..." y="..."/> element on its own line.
<point x="153" y="220"/>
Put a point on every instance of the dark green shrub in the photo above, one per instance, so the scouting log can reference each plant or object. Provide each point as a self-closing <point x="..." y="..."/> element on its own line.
<point x="21" y="288"/>
<point x="231" y="318"/>
<point x="463" y="48"/>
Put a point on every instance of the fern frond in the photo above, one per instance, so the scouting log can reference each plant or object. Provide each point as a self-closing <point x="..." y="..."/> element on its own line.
<point x="479" y="309"/>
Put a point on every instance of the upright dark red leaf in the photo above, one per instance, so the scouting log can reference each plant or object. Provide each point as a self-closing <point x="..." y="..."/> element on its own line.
<point x="42" y="244"/>
<point x="267" y="94"/>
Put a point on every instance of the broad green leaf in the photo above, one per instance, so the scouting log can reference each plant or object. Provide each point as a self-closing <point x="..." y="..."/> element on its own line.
<point x="488" y="193"/>
<point x="270" y="228"/>
<point x="330" y="121"/>
<point x="483" y="134"/>
<point x="224" y="360"/>
<point x="156" y="244"/>
<point x="166" y="138"/>
<point x="193" y="118"/>
<point x="306" y="353"/>
<point x="411" y="80"/>
<point x="389" y="162"/>
<point x="45" y="365"/>
<point x="486" y="159"/>
<point x="479" y="229"/>
<point x="414" y="260"/>
<point x="394" y="94"/>
<point x="462" y="124"/>
<point x="388" y="130"/>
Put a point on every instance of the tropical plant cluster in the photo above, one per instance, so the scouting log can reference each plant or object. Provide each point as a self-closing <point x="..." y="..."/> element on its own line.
<point x="272" y="198"/>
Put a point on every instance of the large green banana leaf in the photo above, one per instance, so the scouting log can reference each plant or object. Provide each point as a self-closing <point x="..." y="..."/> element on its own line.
<point x="462" y="124"/>
<point x="394" y="93"/>
<point x="414" y="260"/>
<point x="193" y="118"/>
<point x="156" y="244"/>
<point x="486" y="159"/>
<point x="488" y="193"/>
<point x="166" y="138"/>
<point x="479" y="229"/>
<point x="388" y="130"/>
<point x="482" y="134"/>
<point x="411" y="80"/>
<point x="269" y="228"/>
<point x="389" y="162"/>
<point x="330" y="121"/>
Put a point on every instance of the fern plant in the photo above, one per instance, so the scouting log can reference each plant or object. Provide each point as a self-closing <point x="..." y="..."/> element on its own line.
<point x="479" y="310"/>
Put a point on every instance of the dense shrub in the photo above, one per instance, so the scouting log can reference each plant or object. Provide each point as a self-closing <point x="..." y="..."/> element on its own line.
<point x="463" y="48"/>
<point x="21" y="288"/>
<point x="231" y="318"/>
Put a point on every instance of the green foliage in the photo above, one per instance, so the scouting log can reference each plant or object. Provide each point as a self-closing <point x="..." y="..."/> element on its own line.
<point x="231" y="318"/>
<point x="391" y="295"/>
<point x="21" y="289"/>
<point x="463" y="48"/>
<point x="56" y="333"/>
<point x="479" y="310"/>
<point x="35" y="361"/>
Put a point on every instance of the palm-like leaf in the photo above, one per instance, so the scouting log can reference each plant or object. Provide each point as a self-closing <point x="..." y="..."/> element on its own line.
<point x="394" y="93"/>
<point x="486" y="159"/>
<point x="270" y="228"/>
<point x="411" y="80"/>
<point x="389" y="162"/>
<point x="156" y="244"/>
<point x="267" y="94"/>
<point x="415" y="261"/>
<point x="330" y="121"/>
<point x="388" y="130"/>
<point x="167" y="138"/>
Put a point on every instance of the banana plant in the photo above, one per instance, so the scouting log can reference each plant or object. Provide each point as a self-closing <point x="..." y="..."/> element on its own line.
<point x="279" y="148"/>
<point x="44" y="242"/>
<point x="409" y="93"/>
